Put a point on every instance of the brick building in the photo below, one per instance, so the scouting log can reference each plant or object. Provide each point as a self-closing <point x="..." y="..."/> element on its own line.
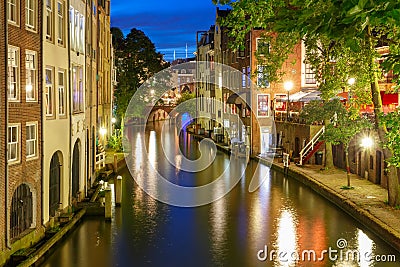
<point x="21" y="217"/>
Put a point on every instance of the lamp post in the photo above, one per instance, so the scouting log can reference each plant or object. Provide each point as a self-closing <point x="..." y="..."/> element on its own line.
<point x="350" y="82"/>
<point x="288" y="85"/>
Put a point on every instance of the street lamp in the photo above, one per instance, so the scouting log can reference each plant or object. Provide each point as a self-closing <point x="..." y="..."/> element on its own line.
<point x="367" y="142"/>
<point x="350" y="82"/>
<point x="288" y="85"/>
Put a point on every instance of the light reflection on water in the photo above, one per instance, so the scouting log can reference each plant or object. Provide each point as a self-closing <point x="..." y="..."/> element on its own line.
<point x="282" y="214"/>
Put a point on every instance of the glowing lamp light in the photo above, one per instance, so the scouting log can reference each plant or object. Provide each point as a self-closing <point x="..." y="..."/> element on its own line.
<point x="288" y="85"/>
<point x="351" y="81"/>
<point x="152" y="91"/>
<point x="103" y="131"/>
<point x="113" y="120"/>
<point x="367" y="142"/>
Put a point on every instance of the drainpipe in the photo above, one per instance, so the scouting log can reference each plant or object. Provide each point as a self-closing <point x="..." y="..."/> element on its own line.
<point x="7" y="224"/>
<point x="252" y="113"/>
<point x="43" y="116"/>
<point x="70" y="108"/>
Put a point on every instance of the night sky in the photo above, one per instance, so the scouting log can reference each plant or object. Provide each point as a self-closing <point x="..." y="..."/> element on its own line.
<point x="170" y="24"/>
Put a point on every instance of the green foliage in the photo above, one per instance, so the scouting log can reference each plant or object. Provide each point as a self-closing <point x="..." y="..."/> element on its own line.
<point x="392" y="122"/>
<point x="136" y="61"/>
<point x="186" y="103"/>
<point x="345" y="123"/>
<point x="115" y="141"/>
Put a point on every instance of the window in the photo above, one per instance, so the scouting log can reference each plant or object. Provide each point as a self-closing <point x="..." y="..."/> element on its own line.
<point x="21" y="217"/>
<point x="249" y="76"/>
<point x="309" y="74"/>
<point x="49" y="20"/>
<point x="241" y="51"/>
<point x="262" y="46"/>
<point x="76" y="30"/>
<point x="77" y="87"/>
<point x="13" y="11"/>
<point x="72" y="26"/>
<point x="13" y="73"/>
<point x="61" y="93"/>
<point x="60" y="21"/>
<point x="31" y="140"/>
<point x="31" y="73"/>
<point x="30" y="14"/>
<point x="262" y="76"/>
<point x="243" y="77"/>
<point x="81" y="34"/>
<point x="13" y="143"/>
<point x="49" y="91"/>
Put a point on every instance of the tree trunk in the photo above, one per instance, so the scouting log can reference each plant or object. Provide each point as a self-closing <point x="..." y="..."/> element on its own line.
<point x="328" y="151"/>
<point x="347" y="165"/>
<point x="393" y="182"/>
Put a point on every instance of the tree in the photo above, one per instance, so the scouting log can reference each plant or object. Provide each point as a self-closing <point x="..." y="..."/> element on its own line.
<point x="358" y="26"/>
<point x="345" y="124"/>
<point x="392" y="122"/>
<point x="136" y="61"/>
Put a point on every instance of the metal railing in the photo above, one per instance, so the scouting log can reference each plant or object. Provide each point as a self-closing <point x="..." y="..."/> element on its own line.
<point x="100" y="160"/>
<point x="310" y="145"/>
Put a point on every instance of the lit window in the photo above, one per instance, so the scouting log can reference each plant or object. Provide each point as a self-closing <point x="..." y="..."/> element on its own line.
<point x="49" y="20"/>
<point x="31" y="85"/>
<point x="13" y="143"/>
<point x="81" y="34"/>
<point x="72" y="26"/>
<point x="262" y="76"/>
<point x="30" y="14"/>
<point x="77" y="87"/>
<point x="49" y="91"/>
<point x="31" y="140"/>
<point x="309" y="74"/>
<point x="13" y="73"/>
<point x="243" y="77"/>
<point x="61" y="93"/>
<point x="60" y="21"/>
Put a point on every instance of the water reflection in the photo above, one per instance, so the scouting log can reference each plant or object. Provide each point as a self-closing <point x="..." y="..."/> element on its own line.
<point x="286" y="241"/>
<point x="282" y="214"/>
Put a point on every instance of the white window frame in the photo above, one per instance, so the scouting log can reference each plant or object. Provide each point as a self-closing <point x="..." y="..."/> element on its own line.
<point x="61" y="93"/>
<point x="49" y="30"/>
<point x="265" y="43"/>
<point x="13" y="12"/>
<point x="72" y="26"/>
<point x="49" y="85"/>
<point x="30" y="14"/>
<point x="77" y="89"/>
<point x="81" y="33"/>
<point x="31" y="75"/>
<point x="13" y="143"/>
<point x="60" y="22"/>
<point x="31" y="141"/>
<point x="260" y="77"/>
<point x="13" y="71"/>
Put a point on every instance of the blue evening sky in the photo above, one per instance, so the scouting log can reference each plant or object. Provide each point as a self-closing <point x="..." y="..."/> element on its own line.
<point x="170" y="24"/>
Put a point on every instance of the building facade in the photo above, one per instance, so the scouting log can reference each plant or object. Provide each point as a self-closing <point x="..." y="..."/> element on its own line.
<point x="21" y="52"/>
<point x="49" y="111"/>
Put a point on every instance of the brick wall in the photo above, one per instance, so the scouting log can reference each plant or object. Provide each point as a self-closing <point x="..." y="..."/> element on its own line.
<point x="27" y="170"/>
<point x="2" y="129"/>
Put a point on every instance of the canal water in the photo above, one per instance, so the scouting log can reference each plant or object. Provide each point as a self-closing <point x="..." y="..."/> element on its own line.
<point x="283" y="223"/>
